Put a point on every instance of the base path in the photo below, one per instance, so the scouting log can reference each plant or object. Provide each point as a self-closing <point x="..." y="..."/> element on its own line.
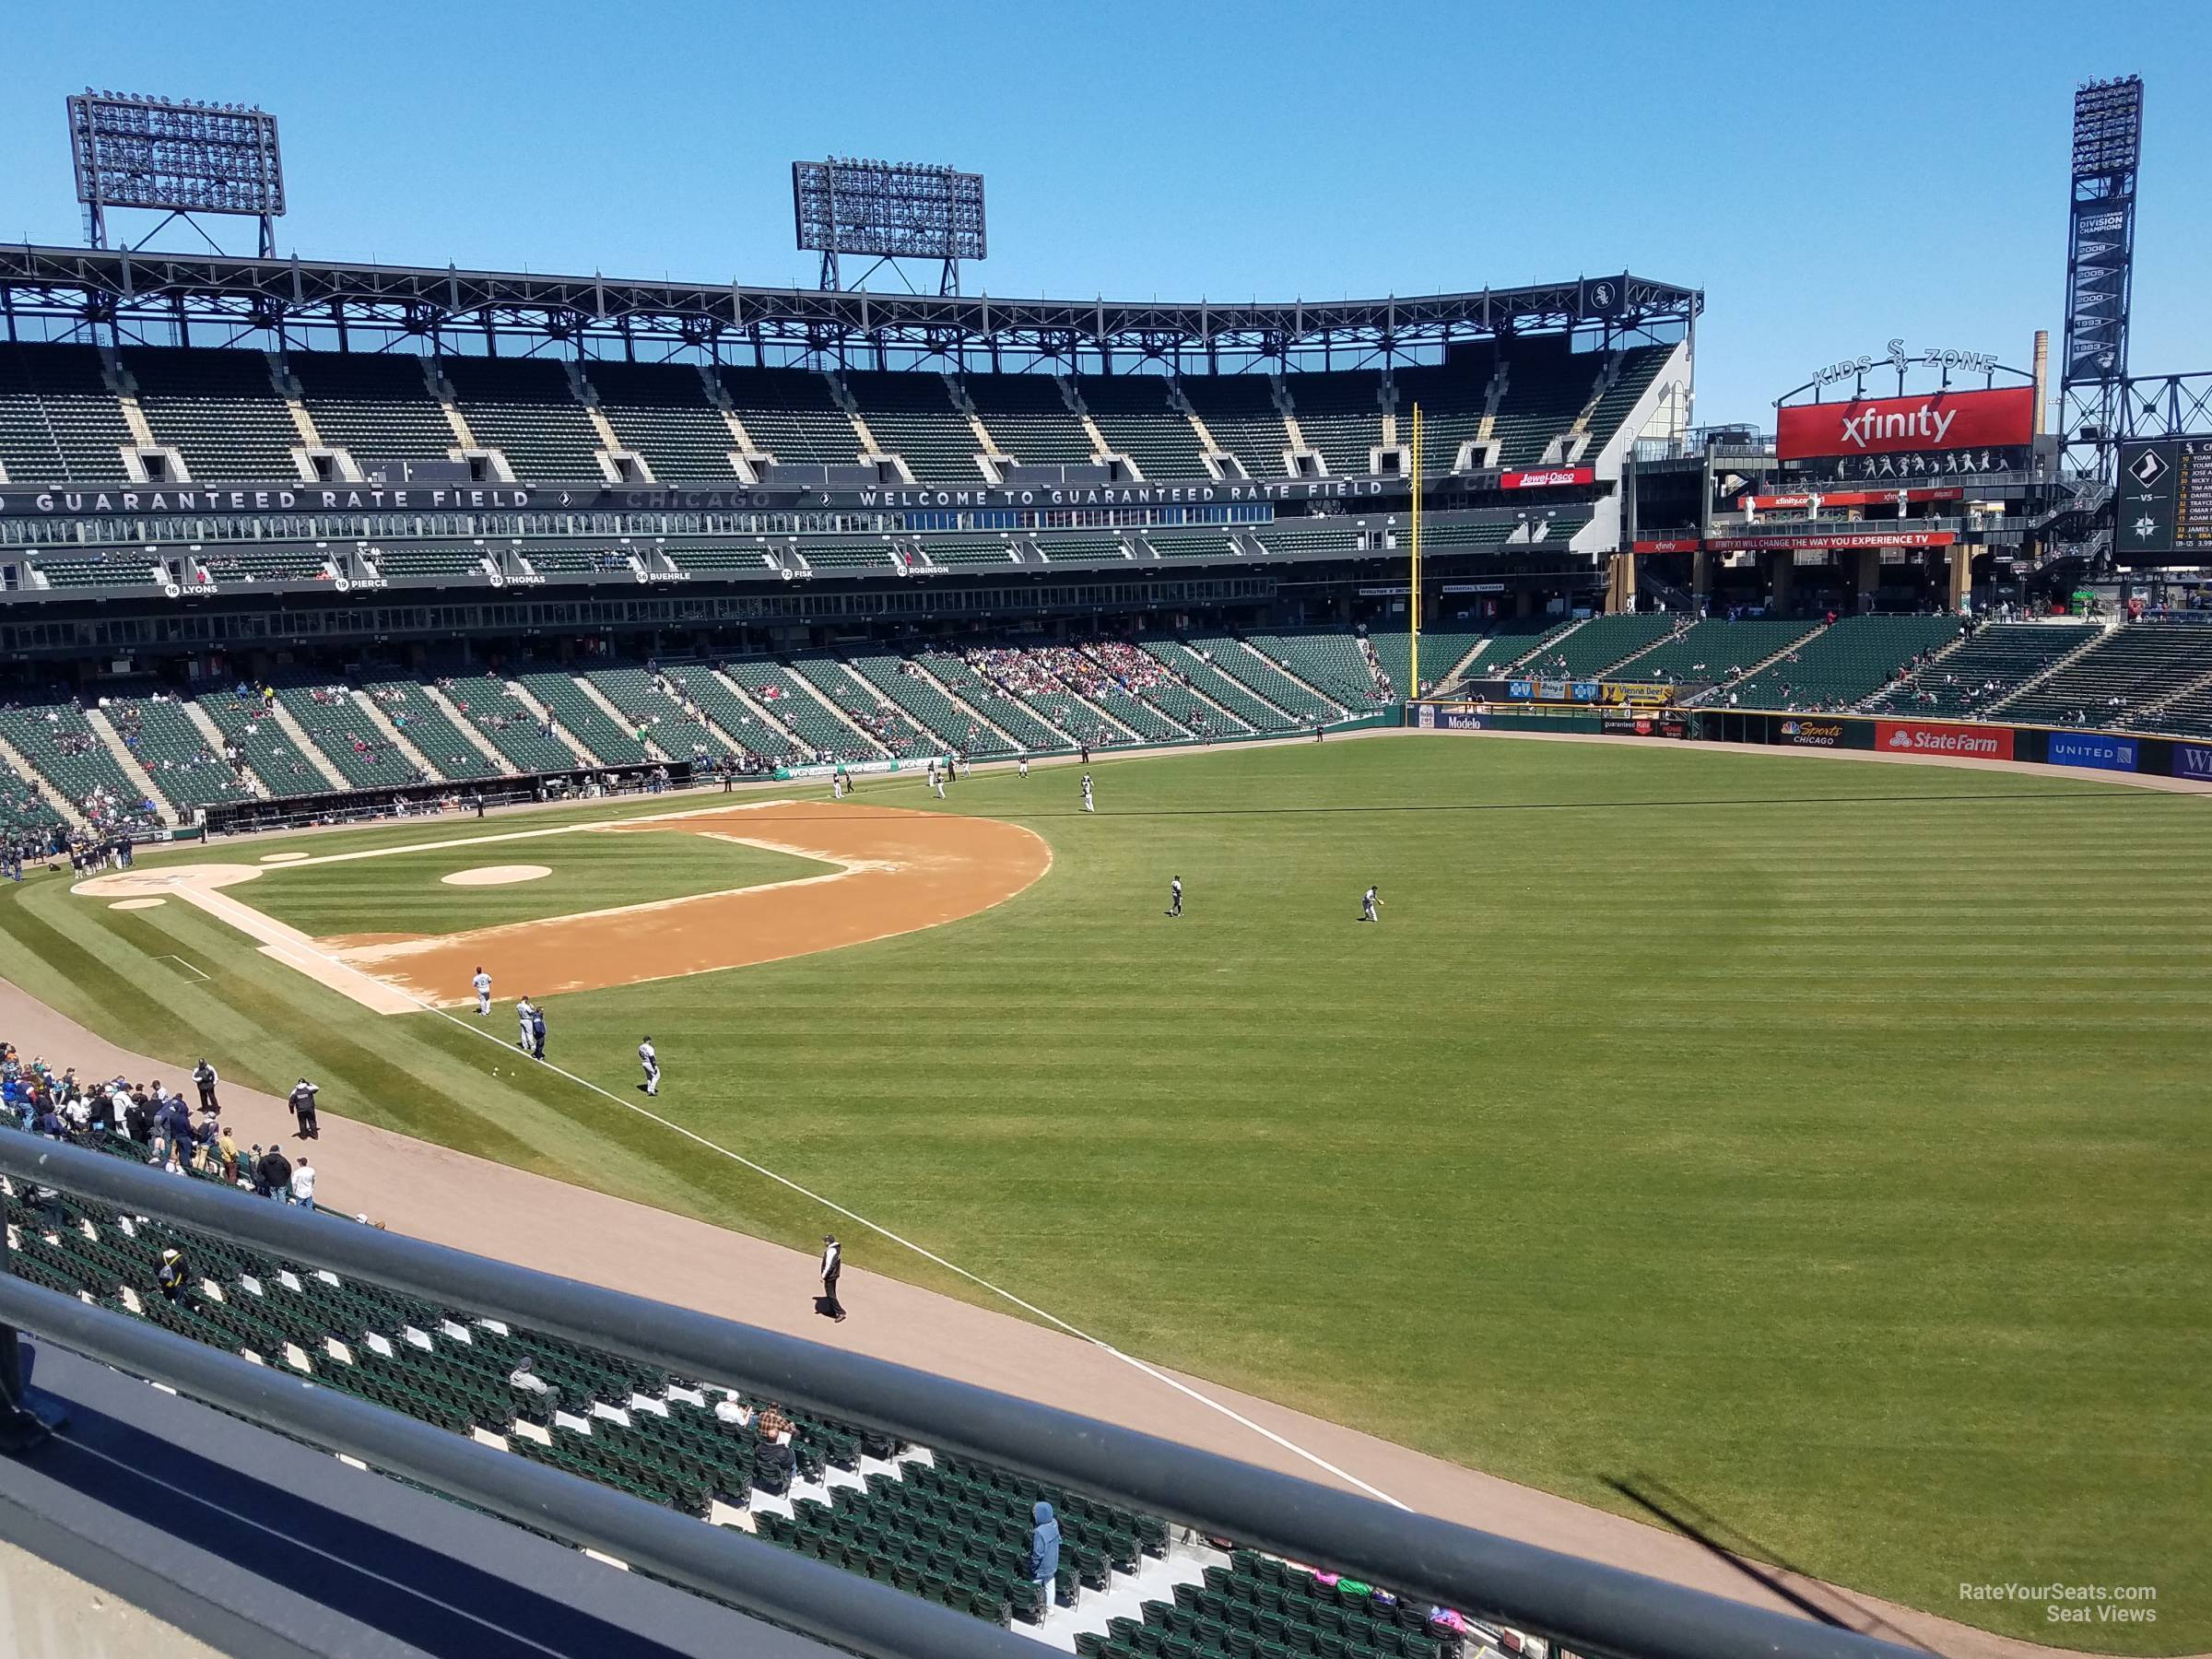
<point x="895" y="872"/>
<point x="471" y="1204"/>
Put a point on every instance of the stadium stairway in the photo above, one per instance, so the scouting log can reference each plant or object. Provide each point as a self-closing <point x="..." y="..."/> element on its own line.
<point x="730" y="705"/>
<point x="537" y="710"/>
<point x="2180" y="710"/>
<point x="13" y="759"/>
<point x="373" y="711"/>
<point x="966" y="707"/>
<point x="143" y="780"/>
<point x="250" y="775"/>
<point x="654" y="749"/>
<point x="435" y="708"/>
<point x="964" y="681"/>
<point x="2027" y="688"/>
<point x="306" y="747"/>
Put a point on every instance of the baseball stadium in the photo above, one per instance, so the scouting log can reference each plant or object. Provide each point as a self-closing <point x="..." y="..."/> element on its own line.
<point x="1276" y="980"/>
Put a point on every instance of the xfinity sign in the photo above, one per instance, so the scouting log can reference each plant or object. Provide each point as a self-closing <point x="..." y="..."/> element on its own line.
<point x="1935" y="421"/>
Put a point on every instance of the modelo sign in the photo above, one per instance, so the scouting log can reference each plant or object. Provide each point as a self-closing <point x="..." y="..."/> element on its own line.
<point x="1879" y="426"/>
<point x="1922" y="738"/>
<point x="2103" y="754"/>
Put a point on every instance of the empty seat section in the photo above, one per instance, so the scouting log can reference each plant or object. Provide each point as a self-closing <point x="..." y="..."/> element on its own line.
<point x="956" y="552"/>
<point x="847" y="555"/>
<point x="59" y="423"/>
<point x="428" y="559"/>
<point x="1999" y="659"/>
<point x="1331" y="663"/>
<point x="423" y="723"/>
<point x="1082" y="549"/>
<point x="1599" y="643"/>
<point x="1442" y="650"/>
<point x="1195" y="667"/>
<point x="187" y="770"/>
<point x="2134" y="665"/>
<point x="913" y="415"/>
<point x="375" y="406"/>
<point x="928" y="707"/>
<point x="740" y="558"/>
<point x="1341" y="416"/>
<point x="1842" y="665"/>
<point x="1639" y="367"/>
<point x="966" y="681"/>
<point x="584" y="719"/>
<point x="1239" y="409"/>
<point x="1300" y="535"/>
<point x="1264" y="678"/>
<point x="104" y="568"/>
<point x="364" y="755"/>
<point x="1134" y="413"/>
<point x="243" y="562"/>
<point x="1711" y="652"/>
<point x="507" y="722"/>
<point x="219" y="409"/>
<point x="527" y="410"/>
<point x="702" y="693"/>
<point x="1451" y="395"/>
<point x="247" y="725"/>
<point x="871" y="710"/>
<point x="1027" y="416"/>
<point x="792" y="414"/>
<point x="56" y="738"/>
<point x="1191" y="544"/>
<point x="662" y="412"/>
<point x="1545" y="387"/>
<point x="798" y="708"/>
<point x="1514" y="642"/>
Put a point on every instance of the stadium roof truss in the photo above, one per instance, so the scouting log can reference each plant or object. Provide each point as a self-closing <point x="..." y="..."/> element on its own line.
<point x="138" y="297"/>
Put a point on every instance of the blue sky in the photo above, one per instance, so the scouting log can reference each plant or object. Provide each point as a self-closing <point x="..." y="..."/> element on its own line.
<point x="1831" y="175"/>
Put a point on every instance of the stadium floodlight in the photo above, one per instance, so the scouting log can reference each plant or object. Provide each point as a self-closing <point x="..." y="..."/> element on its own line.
<point x="887" y="211"/>
<point x="176" y="157"/>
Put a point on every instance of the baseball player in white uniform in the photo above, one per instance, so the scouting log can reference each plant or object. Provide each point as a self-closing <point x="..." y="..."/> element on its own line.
<point x="521" y="1019"/>
<point x="937" y="777"/>
<point x="483" y="985"/>
<point x="1175" y="897"/>
<point x="1088" y="804"/>
<point x="652" y="1063"/>
<point x="1370" y="905"/>
<point x="1022" y="767"/>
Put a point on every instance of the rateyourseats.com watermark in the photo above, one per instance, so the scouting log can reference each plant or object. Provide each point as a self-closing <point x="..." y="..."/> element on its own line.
<point x="2075" y="1603"/>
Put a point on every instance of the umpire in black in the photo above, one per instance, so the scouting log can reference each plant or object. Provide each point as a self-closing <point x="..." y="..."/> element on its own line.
<point x="302" y="1102"/>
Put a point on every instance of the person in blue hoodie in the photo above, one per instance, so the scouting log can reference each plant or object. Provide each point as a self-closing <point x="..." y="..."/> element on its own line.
<point x="1044" y="1551"/>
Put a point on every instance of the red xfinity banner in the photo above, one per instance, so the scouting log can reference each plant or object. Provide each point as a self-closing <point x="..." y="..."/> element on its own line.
<point x="1882" y="426"/>
<point x="1922" y="738"/>
<point x="1544" y="478"/>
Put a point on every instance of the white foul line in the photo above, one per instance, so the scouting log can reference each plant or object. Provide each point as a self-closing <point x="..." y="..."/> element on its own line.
<point x="188" y="967"/>
<point x="217" y="897"/>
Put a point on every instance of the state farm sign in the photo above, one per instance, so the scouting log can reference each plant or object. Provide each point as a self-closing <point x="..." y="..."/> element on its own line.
<point x="1921" y="738"/>
<point x="1876" y="426"/>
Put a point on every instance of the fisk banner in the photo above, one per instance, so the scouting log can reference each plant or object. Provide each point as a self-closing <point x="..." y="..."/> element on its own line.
<point x="1936" y="420"/>
<point x="1925" y="737"/>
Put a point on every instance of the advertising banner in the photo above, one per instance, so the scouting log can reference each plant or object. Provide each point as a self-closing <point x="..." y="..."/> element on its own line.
<point x="1839" y="540"/>
<point x="1666" y="544"/>
<point x="2093" y="750"/>
<point x="1647" y="723"/>
<point x="1552" y="690"/>
<point x="1817" y="731"/>
<point x="2193" y="760"/>
<point x="1844" y="498"/>
<point x="1935" y="420"/>
<point x="1545" y="478"/>
<point x="1448" y="717"/>
<point x="853" y="769"/>
<point x="1930" y="738"/>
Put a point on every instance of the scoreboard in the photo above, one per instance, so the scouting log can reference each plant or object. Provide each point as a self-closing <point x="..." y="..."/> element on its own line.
<point x="2165" y="504"/>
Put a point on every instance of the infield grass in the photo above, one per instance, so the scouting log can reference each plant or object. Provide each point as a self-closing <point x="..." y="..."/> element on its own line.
<point x="408" y="893"/>
<point x="1825" y="1141"/>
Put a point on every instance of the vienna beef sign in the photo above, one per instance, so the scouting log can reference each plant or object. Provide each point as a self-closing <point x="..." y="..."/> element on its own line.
<point x="2004" y="418"/>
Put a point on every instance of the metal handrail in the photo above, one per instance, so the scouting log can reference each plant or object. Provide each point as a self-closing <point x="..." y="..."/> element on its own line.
<point x="724" y="1562"/>
<point x="1590" y="1608"/>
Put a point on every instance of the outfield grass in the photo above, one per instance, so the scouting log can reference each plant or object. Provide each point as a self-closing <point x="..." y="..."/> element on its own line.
<point x="1826" y="1141"/>
<point x="405" y="892"/>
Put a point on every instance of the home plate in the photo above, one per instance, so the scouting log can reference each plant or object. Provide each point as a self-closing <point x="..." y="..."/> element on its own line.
<point x="495" y="874"/>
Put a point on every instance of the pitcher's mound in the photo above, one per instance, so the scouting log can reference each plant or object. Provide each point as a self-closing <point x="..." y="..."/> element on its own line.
<point x="495" y="874"/>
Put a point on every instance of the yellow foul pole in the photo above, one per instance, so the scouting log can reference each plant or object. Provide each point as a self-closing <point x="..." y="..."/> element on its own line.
<point x="1413" y="602"/>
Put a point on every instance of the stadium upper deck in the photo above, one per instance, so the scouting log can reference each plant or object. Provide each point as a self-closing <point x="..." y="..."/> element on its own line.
<point x="177" y="427"/>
